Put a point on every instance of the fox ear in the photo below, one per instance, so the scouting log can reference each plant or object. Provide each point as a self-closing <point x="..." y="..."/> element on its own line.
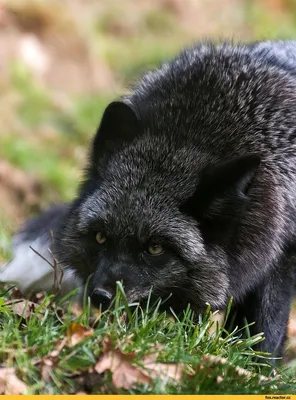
<point x="222" y="193"/>
<point x="119" y="124"/>
<point x="233" y="176"/>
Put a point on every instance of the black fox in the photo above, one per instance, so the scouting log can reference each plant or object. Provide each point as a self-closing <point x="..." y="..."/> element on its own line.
<point x="191" y="188"/>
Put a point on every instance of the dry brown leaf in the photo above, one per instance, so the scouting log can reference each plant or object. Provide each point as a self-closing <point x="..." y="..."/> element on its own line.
<point x="164" y="371"/>
<point x="58" y="348"/>
<point x="53" y="355"/>
<point x="124" y="374"/>
<point x="50" y="361"/>
<point x="10" y="383"/>
<point x="210" y="361"/>
<point x="46" y="369"/>
<point x="77" y="332"/>
<point x="24" y="308"/>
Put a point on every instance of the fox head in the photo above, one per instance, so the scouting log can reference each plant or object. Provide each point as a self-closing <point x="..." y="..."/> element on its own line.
<point x="155" y="214"/>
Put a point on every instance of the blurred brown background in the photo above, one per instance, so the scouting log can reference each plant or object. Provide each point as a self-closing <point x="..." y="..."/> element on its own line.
<point x="61" y="61"/>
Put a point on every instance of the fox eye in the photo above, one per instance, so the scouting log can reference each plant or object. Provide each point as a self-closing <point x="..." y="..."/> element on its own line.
<point x="100" y="238"/>
<point x="155" y="249"/>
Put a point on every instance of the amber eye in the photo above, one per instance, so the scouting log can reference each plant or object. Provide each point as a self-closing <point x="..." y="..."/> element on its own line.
<point x="100" y="238"/>
<point x="155" y="249"/>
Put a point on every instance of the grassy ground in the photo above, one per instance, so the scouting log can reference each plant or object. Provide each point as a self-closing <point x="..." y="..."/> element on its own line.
<point x="53" y="351"/>
<point x="84" y="56"/>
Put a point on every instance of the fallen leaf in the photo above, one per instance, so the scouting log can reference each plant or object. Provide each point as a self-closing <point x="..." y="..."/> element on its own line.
<point x="77" y="332"/>
<point x="24" y="308"/>
<point x="52" y="356"/>
<point x="124" y="374"/>
<point x="46" y="369"/>
<point x="58" y="348"/>
<point x="50" y="361"/>
<point x="164" y="371"/>
<point x="209" y="361"/>
<point x="10" y="383"/>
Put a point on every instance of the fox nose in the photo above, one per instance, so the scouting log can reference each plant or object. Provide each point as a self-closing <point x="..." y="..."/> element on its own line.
<point x="101" y="298"/>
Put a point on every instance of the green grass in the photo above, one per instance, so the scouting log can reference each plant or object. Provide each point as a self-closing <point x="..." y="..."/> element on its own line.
<point x="25" y="342"/>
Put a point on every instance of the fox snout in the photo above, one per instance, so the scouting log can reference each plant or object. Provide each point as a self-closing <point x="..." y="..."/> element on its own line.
<point x="101" y="298"/>
<point x="103" y="283"/>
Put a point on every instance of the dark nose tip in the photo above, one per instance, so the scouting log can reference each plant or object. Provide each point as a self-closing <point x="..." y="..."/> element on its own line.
<point x="101" y="298"/>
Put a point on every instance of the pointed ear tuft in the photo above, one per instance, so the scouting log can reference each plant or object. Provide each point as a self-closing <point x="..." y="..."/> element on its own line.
<point x="120" y="124"/>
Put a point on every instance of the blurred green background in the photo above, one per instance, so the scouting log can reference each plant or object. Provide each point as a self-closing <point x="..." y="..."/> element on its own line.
<point x="62" y="61"/>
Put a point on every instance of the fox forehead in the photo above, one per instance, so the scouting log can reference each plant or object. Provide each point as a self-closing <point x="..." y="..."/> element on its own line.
<point x="144" y="217"/>
<point x="135" y="208"/>
<point x="151" y="201"/>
